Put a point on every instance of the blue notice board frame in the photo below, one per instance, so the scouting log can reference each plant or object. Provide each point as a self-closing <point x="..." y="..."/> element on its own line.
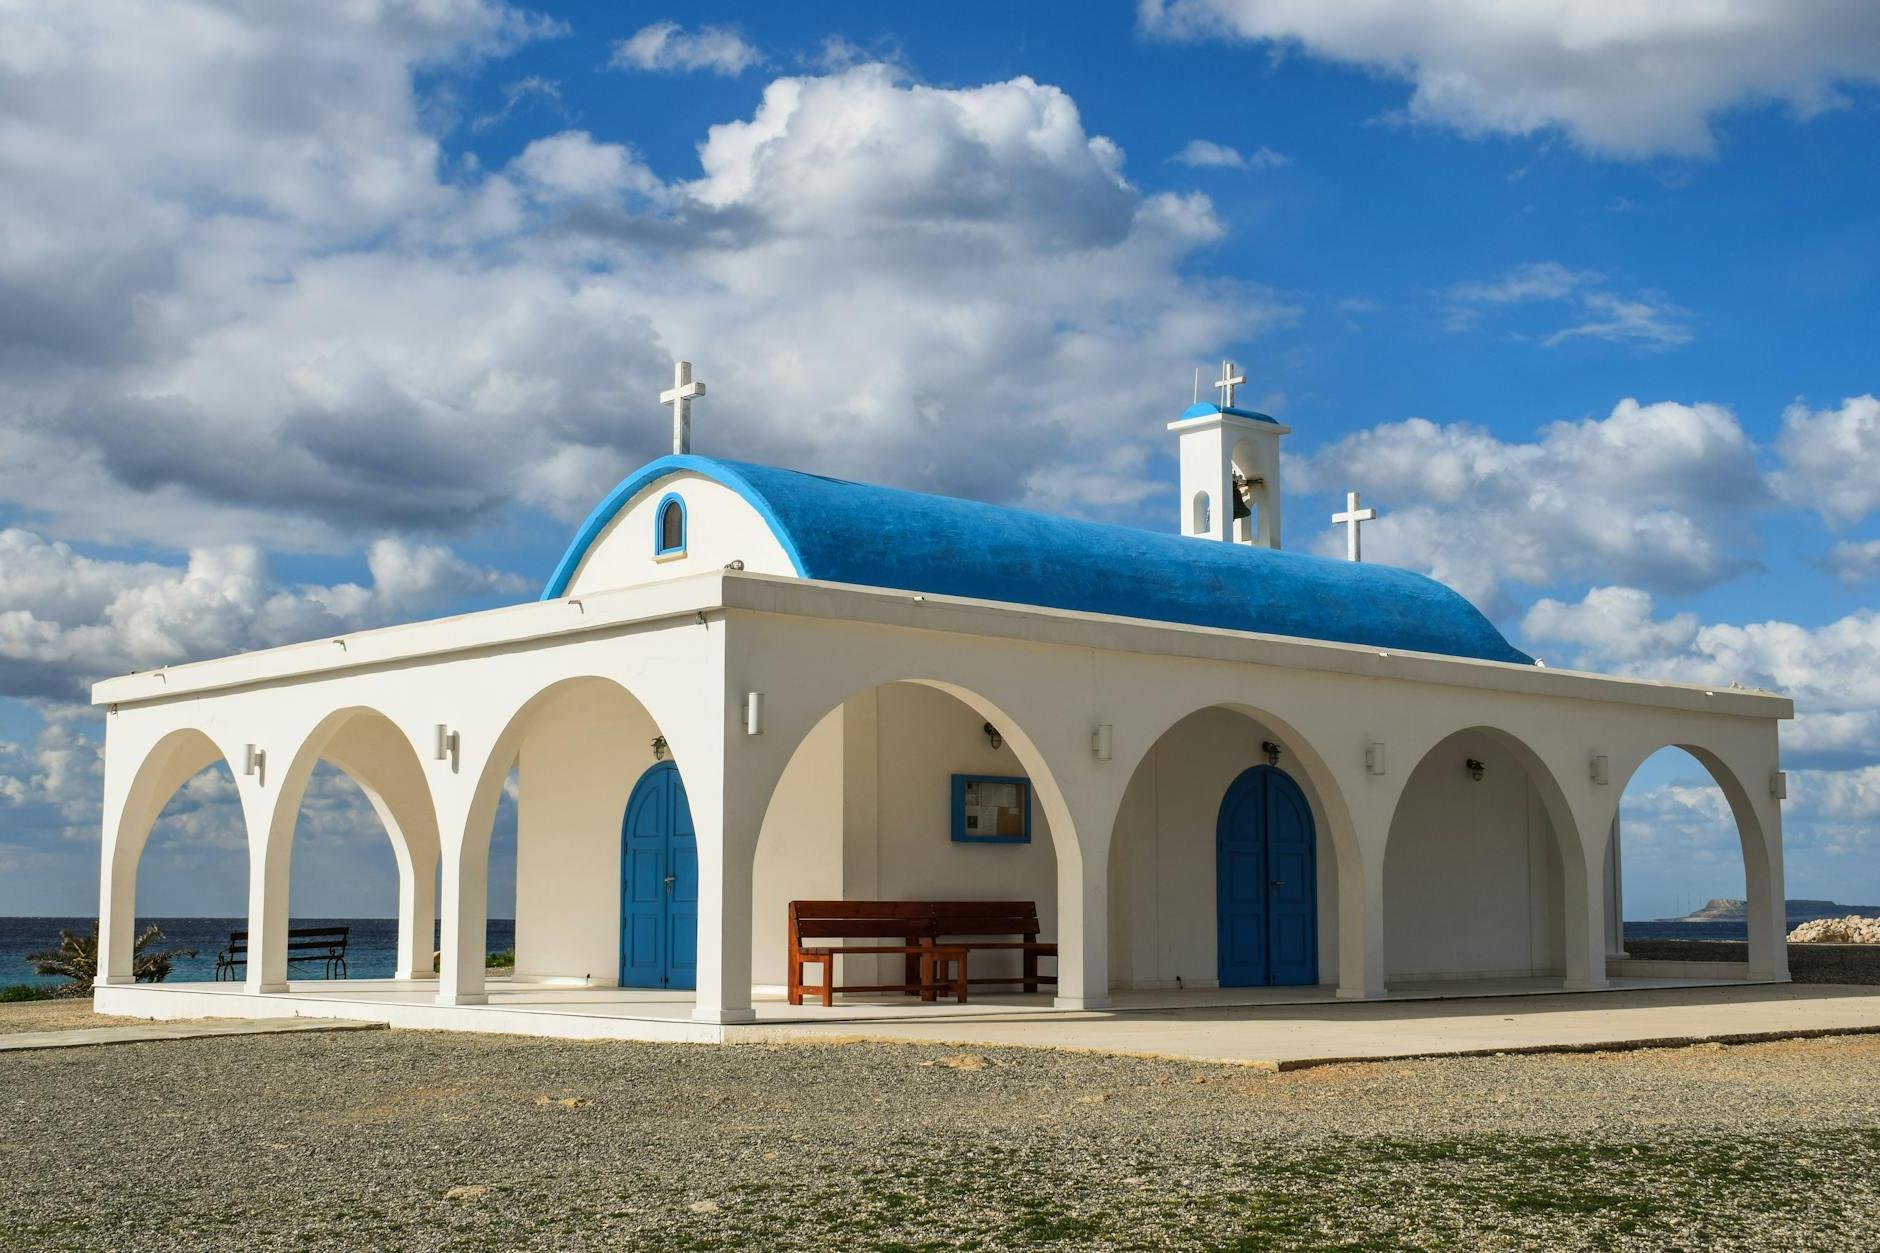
<point x="962" y="835"/>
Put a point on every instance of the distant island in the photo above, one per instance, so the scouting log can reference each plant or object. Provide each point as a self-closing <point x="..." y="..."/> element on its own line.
<point x="1724" y="909"/>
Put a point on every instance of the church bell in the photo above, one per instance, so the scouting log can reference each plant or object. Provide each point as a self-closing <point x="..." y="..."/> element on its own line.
<point x="1243" y="497"/>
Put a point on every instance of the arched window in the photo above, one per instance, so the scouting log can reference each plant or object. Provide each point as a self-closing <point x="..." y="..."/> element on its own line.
<point x="1203" y="520"/>
<point x="669" y="527"/>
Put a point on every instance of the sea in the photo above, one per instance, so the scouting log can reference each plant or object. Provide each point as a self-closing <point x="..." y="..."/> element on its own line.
<point x="371" y="948"/>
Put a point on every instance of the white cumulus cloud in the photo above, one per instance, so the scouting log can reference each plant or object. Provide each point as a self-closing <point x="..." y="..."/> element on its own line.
<point x="1831" y="459"/>
<point x="67" y="619"/>
<point x="1620" y="79"/>
<point x="1831" y="671"/>
<point x="1650" y="494"/>
<point x="308" y="323"/>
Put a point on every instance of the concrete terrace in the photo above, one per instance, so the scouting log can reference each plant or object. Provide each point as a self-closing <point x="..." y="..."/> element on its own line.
<point x="1278" y="1027"/>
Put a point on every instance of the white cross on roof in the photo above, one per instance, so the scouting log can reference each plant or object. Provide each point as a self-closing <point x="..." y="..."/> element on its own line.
<point x="680" y="396"/>
<point x="1351" y="519"/>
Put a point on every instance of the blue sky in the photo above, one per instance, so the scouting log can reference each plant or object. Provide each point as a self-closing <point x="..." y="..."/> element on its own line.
<point x="353" y="313"/>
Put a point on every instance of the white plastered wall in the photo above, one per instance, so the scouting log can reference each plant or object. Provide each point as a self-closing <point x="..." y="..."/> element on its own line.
<point x="721" y="527"/>
<point x="1471" y="871"/>
<point x="581" y="755"/>
<point x="799" y="853"/>
<point x="864" y="812"/>
<point x="1162" y="872"/>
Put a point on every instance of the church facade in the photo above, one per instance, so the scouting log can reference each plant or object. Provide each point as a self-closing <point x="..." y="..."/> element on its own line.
<point x="1210" y="762"/>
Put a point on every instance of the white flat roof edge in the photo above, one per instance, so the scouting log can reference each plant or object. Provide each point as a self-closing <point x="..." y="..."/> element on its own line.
<point x="729" y="591"/>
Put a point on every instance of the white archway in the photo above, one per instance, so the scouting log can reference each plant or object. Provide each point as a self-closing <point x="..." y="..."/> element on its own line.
<point x="1162" y="871"/>
<point x="1486" y="870"/>
<point x="577" y="746"/>
<point x="1761" y="856"/>
<point x="168" y="765"/>
<point x="861" y="812"/>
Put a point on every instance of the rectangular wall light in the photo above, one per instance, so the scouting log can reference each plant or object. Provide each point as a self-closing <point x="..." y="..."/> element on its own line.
<point x="753" y="713"/>
<point x="1100" y="741"/>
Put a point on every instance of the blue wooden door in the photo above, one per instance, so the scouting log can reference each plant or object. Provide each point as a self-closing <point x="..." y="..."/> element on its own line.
<point x="1266" y="883"/>
<point x="658" y="884"/>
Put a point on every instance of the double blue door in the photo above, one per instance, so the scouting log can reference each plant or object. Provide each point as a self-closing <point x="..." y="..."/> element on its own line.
<point x="658" y="884"/>
<point x="1266" y="874"/>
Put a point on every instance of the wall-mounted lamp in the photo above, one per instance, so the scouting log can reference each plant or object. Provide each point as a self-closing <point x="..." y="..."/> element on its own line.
<point x="659" y="748"/>
<point x="1475" y="769"/>
<point x="1100" y="741"/>
<point x="1374" y="757"/>
<point x="1601" y="774"/>
<point x="1271" y="750"/>
<point x="993" y="737"/>
<point x="753" y="713"/>
<point x="254" y="760"/>
<point x="1779" y="785"/>
<point x="447" y="745"/>
<point x="735" y="565"/>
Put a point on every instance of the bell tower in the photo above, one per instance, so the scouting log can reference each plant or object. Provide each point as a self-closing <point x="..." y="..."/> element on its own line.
<point x="1229" y="468"/>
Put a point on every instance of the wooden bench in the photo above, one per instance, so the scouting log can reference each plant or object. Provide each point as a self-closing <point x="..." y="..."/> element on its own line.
<point x="930" y="968"/>
<point x="326" y="945"/>
<point x="930" y="932"/>
<point x="972" y="924"/>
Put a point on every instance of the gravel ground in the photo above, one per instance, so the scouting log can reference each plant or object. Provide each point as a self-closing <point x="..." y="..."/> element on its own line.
<point x="420" y="1140"/>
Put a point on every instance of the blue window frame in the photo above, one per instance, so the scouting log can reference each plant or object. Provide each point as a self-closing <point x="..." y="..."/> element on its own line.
<point x="991" y="809"/>
<point x="669" y="525"/>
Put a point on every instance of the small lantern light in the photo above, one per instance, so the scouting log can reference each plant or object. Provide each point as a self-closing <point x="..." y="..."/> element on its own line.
<point x="1475" y="768"/>
<point x="659" y="748"/>
<point x="1602" y="771"/>
<point x="1271" y="750"/>
<point x="1101" y="740"/>
<point x="993" y="737"/>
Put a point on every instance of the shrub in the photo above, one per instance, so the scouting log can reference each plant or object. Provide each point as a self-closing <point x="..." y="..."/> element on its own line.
<point x="76" y="958"/>
<point x="25" y="992"/>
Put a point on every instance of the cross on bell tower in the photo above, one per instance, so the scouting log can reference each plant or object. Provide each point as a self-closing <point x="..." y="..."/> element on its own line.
<point x="1229" y="467"/>
<point x="1228" y="382"/>
<point x="680" y="396"/>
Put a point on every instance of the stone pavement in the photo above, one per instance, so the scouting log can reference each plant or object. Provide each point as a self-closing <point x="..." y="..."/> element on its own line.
<point x="142" y="1033"/>
<point x="1294" y="1037"/>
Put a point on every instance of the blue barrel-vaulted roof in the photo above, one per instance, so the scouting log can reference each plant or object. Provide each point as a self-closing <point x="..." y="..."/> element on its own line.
<point x="843" y="532"/>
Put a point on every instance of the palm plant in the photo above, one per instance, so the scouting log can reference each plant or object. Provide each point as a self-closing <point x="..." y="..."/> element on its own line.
<point x="76" y="958"/>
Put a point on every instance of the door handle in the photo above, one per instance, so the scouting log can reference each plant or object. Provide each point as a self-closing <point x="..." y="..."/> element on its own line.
<point x="670" y="880"/>
<point x="1273" y="885"/>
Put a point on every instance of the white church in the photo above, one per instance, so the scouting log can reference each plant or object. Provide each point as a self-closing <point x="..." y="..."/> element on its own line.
<point x="771" y="731"/>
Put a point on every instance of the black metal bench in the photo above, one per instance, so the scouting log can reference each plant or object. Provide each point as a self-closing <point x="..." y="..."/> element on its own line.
<point x="326" y="945"/>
